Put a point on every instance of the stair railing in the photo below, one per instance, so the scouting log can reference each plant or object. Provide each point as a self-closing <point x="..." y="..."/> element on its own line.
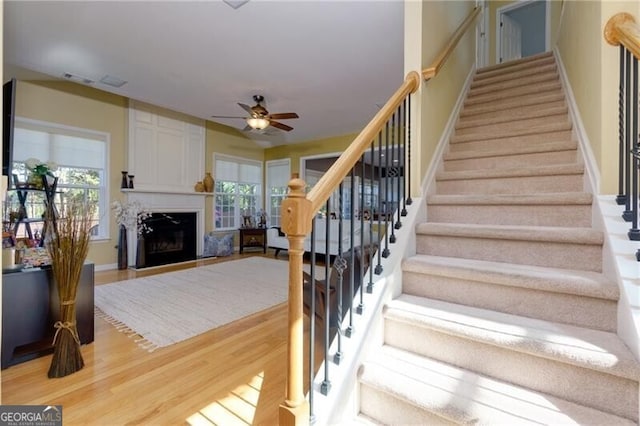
<point x="623" y="31"/>
<point x="386" y="144"/>
<point x="390" y="133"/>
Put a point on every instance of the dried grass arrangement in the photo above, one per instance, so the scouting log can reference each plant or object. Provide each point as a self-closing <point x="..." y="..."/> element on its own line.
<point x="67" y="241"/>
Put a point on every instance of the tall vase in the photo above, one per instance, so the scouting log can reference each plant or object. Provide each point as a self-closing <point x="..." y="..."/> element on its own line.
<point x="208" y="182"/>
<point x="122" y="248"/>
<point x="140" y="253"/>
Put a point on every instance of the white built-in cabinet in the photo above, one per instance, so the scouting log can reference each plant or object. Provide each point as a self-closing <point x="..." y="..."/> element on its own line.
<point x="166" y="150"/>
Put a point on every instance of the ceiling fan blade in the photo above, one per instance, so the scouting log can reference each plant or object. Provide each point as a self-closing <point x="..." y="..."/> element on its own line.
<point x="226" y="116"/>
<point x="247" y="128"/>
<point x="283" y="115"/>
<point x="281" y="126"/>
<point x="246" y="108"/>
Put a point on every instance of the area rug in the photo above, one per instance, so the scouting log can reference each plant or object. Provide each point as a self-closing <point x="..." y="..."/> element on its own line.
<point x="164" y="309"/>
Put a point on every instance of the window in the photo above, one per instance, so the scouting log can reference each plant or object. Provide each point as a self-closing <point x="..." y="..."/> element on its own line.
<point x="278" y="176"/>
<point x="81" y="156"/>
<point x="237" y="191"/>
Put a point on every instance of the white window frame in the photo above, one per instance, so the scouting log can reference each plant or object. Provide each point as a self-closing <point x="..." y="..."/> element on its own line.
<point x="103" y="190"/>
<point x="238" y="221"/>
<point x="286" y="162"/>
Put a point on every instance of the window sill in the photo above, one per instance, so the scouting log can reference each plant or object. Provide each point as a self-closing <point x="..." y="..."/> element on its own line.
<point x="165" y="191"/>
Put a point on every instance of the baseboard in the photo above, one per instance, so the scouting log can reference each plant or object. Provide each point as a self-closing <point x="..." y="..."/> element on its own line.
<point x="591" y="165"/>
<point x="443" y="143"/>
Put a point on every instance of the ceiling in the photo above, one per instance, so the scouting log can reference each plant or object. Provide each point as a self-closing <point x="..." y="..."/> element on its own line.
<point x="332" y="62"/>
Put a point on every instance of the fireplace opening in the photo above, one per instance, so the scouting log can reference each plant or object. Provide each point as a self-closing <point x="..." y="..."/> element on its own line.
<point x="172" y="239"/>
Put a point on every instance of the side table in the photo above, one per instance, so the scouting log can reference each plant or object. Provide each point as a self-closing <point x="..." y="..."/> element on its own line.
<point x="253" y="237"/>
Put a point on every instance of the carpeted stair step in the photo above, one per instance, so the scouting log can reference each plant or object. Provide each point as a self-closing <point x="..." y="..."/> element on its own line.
<point x="523" y="113"/>
<point x="568" y="209"/>
<point x="510" y="67"/>
<point x="513" y="142"/>
<point x="499" y="86"/>
<point x="546" y="179"/>
<point x="396" y="384"/>
<point x="486" y="80"/>
<point x="525" y="156"/>
<point x="534" y="89"/>
<point x="497" y="108"/>
<point x="514" y="127"/>
<point x="552" y="247"/>
<point x="587" y="367"/>
<point x="580" y="298"/>
<point x="506" y="132"/>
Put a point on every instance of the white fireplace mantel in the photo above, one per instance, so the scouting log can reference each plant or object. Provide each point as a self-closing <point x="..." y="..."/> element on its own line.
<point x="176" y="202"/>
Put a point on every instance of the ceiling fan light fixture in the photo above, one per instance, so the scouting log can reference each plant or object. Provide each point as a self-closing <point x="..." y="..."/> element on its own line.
<point x="258" y="123"/>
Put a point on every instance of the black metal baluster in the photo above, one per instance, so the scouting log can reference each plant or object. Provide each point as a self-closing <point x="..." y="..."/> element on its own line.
<point x="390" y="174"/>
<point x="627" y="215"/>
<point x="634" y="232"/>
<point x="339" y="264"/>
<point x="360" y="307"/>
<point x="352" y="231"/>
<point x="407" y="166"/>
<point x="403" y="157"/>
<point x="386" y="252"/>
<point x="378" y="269"/>
<point x="312" y="319"/>
<point x="397" y="166"/>
<point x="325" y="387"/>
<point x="622" y="197"/>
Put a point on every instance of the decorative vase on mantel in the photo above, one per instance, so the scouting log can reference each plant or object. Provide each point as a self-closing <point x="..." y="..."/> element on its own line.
<point x="208" y="182"/>
<point x="123" y="254"/>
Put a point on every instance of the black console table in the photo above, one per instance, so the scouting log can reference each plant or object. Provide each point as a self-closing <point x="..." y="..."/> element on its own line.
<point x="30" y="307"/>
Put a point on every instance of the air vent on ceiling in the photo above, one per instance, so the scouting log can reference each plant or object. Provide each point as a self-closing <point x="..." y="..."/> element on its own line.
<point x="77" y="78"/>
<point x="235" y="3"/>
<point x="112" y="81"/>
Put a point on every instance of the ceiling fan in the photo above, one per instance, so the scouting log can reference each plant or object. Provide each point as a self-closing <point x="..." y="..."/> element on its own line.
<point x="259" y="118"/>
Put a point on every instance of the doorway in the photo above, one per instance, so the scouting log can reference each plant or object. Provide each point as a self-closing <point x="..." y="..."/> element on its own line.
<point x="522" y="29"/>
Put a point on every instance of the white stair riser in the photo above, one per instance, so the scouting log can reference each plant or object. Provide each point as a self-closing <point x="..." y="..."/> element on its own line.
<point x="514" y="142"/>
<point x="535" y="215"/>
<point x="514" y="185"/>
<point x="388" y="409"/>
<point x="587" y="257"/>
<point x="602" y="391"/>
<point x="548" y="158"/>
<point x="599" y="314"/>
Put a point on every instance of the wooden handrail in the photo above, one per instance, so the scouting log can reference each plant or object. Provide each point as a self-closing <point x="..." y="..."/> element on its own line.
<point x="322" y="190"/>
<point x="437" y="64"/>
<point x="622" y="29"/>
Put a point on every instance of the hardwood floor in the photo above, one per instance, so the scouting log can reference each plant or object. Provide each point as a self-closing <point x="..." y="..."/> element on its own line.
<point x="232" y="375"/>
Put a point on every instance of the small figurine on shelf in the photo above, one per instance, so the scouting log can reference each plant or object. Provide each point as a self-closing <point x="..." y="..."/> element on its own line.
<point x="124" y="184"/>
<point x="262" y="218"/>
<point x="131" y="181"/>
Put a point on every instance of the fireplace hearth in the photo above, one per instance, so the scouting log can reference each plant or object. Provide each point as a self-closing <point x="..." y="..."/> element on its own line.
<point x="172" y="239"/>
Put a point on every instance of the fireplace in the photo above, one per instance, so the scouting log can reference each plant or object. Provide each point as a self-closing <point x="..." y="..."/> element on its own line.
<point x="172" y="239"/>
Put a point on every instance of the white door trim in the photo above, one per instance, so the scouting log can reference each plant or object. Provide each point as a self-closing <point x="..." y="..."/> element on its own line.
<point x="516" y="5"/>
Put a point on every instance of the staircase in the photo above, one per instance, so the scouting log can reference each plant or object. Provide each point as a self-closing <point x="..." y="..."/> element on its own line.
<point x="505" y="316"/>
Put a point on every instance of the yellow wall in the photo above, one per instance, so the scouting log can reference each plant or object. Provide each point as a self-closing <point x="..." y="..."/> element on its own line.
<point x="592" y="69"/>
<point x="440" y="19"/>
<point x="79" y="106"/>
